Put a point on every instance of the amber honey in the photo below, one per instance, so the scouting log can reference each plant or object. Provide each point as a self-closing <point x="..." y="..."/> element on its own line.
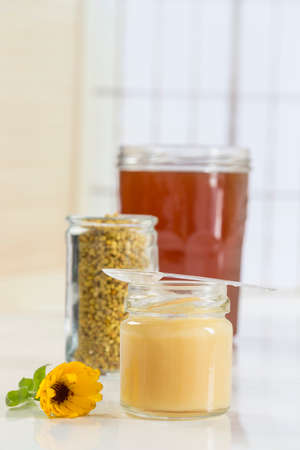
<point x="201" y="220"/>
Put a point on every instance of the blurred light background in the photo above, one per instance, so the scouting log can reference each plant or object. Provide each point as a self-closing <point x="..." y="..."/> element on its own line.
<point x="80" y="77"/>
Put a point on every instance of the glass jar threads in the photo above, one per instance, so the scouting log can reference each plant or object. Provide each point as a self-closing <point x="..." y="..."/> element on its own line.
<point x="176" y="350"/>
<point x="95" y="301"/>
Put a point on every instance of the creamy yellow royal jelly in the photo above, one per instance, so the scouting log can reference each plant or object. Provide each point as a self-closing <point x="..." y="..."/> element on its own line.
<point x="176" y="353"/>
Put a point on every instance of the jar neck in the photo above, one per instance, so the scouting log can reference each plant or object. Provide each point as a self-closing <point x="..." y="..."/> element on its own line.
<point x="138" y="221"/>
<point x="178" y="299"/>
<point x="184" y="158"/>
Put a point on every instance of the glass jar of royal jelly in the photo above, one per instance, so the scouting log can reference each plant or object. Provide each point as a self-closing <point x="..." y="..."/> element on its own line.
<point x="176" y="349"/>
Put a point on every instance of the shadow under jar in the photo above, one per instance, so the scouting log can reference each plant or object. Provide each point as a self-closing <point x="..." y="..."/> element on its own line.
<point x="95" y="301"/>
<point x="199" y="194"/>
<point x="176" y="350"/>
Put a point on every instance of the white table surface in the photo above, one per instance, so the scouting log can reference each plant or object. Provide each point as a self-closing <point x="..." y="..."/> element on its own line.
<point x="266" y="390"/>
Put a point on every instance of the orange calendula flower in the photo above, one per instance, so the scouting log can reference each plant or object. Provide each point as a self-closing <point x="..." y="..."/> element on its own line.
<point x="70" y="390"/>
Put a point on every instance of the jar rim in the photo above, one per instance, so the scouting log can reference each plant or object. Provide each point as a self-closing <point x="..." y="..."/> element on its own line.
<point x="184" y="283"/>
<point x="179" y="157"/>
<point x="207" y="289"/>
<point x="136" y="220"/>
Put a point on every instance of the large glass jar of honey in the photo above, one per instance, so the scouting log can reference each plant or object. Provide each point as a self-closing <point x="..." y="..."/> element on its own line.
<point x="199" y="195"/>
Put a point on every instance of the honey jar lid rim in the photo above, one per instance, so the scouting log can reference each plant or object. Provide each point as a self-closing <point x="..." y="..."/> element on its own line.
<point x="177" y="157"/>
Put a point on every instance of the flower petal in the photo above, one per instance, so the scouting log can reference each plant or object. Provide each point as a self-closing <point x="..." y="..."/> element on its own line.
<point x="82" y="403"/>
<point x="87" y="389"/>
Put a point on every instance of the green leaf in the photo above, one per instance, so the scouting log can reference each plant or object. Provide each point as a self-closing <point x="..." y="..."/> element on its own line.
<point x="26" y="383"/>
<point x="38" y="376"/>
<point x="15" y="398"/>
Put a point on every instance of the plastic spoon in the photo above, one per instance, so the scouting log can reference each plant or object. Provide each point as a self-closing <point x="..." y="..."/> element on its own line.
<point x="140" y="277"/>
